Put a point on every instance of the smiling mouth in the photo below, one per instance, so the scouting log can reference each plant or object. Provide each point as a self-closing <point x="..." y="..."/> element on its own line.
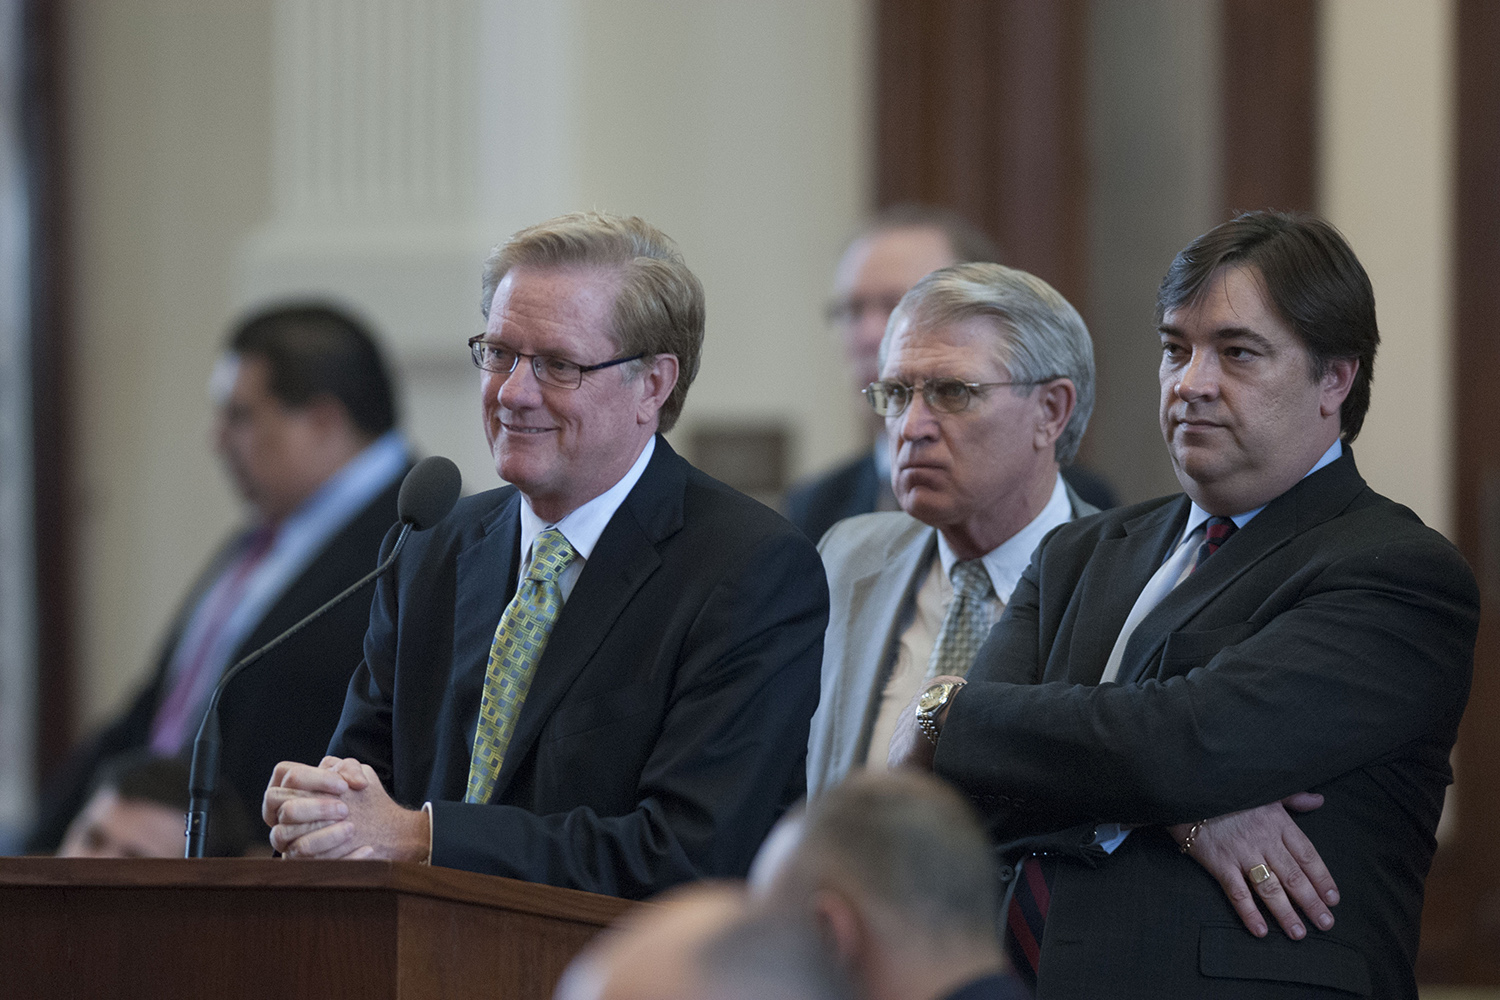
<point x="515" y="429"/>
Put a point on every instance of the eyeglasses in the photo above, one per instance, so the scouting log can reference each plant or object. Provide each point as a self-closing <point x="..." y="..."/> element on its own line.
<point x="946" y="395"/>
<point x="560" y="372"/>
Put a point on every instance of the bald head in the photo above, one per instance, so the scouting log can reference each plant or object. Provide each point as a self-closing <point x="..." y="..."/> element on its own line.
<point x="703" y="943"/>
<point x="650" y="954"/>
<point x="895" y="869"/>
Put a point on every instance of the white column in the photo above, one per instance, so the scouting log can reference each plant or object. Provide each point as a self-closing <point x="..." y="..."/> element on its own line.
<point x="1387" y="112"/>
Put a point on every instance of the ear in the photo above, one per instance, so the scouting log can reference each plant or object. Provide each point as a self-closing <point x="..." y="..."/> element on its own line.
<point x="1055" y="403"/>
<point x="657" y="382"/>
<point x="840" y="923"/>
<point x="1335" y="385"/>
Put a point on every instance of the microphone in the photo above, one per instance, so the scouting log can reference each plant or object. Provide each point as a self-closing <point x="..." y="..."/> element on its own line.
<point x="427" y="494"/>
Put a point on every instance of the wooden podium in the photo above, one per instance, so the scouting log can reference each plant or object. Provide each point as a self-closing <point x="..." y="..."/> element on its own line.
<point x="218" y="929"/>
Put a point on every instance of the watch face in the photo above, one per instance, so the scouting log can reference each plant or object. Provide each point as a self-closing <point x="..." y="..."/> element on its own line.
<point x="935" y="696"/>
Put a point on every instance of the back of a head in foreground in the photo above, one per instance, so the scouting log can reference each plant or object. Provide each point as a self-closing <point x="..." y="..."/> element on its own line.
<point x="904" y="840"/>
<point x="701" y="942"/>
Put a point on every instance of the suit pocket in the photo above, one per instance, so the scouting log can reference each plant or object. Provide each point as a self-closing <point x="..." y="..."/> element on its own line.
<point x="1227" y="951"/>
<point x="602" y="710"/>
<point x="1186" y="650"/>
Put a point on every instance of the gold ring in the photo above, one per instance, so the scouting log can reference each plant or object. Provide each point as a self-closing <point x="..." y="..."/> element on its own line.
<point x="1258" y="874"/>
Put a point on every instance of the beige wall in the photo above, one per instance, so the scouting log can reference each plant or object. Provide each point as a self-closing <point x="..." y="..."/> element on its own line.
<point x="739" y="128"/>
<point x="1386" y="182"/>
<point x="168" y="118"/>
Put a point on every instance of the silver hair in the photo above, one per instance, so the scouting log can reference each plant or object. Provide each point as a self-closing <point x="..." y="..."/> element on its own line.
<point x="905" y="839"/>
<point x="1038" y="333"/>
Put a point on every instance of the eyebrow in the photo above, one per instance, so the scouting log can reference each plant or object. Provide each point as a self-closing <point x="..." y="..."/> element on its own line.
<point x="1222" y="334"/>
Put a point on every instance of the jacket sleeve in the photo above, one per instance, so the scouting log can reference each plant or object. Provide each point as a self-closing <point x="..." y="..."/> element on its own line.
<point x="1367" y="660"/>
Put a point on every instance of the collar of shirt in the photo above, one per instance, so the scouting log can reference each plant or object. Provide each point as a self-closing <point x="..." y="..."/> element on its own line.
<point x="583" y="526"/>
<point x="1006" y="562"/>
<point x="1197" y="515"/>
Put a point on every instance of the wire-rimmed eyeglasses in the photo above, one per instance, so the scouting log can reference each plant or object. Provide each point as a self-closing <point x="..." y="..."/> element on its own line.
<point x="890" y="398"/>
<point x="561" y="372"/>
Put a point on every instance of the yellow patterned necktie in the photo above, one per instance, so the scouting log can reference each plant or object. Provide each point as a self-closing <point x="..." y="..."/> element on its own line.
<point x="519" y="641"/>
<point x="967" y="623"/>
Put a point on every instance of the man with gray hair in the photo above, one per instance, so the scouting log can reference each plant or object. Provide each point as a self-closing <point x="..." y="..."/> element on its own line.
<point x="892" y="251"/>
<point x="894" y="870"/>
<point x="987" y="381"/>
<point x="600" y="676"/>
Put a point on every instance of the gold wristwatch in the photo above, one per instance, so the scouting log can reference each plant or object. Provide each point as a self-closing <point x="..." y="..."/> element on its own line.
<point x="931" y="705"/>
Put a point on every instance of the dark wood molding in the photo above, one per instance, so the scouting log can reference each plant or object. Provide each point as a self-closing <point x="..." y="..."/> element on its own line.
<point x="52" y="440"/>
<point x="1461" y="922"/>
<point x="980" y="108"/>
<point x="1270" y="101"/>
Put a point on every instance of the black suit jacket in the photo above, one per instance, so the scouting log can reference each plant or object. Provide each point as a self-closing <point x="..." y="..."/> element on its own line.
<point x="1327" y="646"/>
<point x="666" y="726"/>
<point x="283" y="708"/>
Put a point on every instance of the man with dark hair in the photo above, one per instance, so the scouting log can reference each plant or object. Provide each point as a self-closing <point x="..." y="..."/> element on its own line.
<point x="895" y="873"/>
<point x="137" y="810"/>
<point x="306" y="419"/>
<point x="894" y="250"/>
<point x="1167" y="674"/>
<point x="600" y="676"/>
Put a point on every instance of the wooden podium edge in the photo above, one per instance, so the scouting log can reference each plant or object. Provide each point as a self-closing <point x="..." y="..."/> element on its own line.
<point x="260" y="874"/>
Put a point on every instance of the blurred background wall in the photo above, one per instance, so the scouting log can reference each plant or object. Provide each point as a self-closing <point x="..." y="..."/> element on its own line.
<point x="220" y="153"/>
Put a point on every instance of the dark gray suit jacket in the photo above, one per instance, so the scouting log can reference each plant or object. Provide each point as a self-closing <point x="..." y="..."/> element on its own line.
<point x="666" y="727"/>
<point x="1327" y="647"/>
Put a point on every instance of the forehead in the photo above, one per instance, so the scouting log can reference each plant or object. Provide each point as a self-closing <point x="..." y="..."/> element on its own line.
<point x="969" y="348"/>
<point x="555" y="307"/>
<point x="1233" y="301"/>
<point x="893" y="259"/>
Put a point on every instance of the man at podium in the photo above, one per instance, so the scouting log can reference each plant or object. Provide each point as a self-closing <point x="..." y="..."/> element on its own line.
<point x="601" y="676"/>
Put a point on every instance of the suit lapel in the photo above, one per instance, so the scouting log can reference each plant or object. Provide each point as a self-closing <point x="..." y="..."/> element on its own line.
<point x="624" y="558"/>
<point x="883" y="598"/>
<point x="1117" y="572"/>
<point x="1312" y="501"/>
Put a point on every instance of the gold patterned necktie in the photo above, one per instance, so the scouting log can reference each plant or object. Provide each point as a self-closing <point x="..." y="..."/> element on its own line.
<point x="967" y="623"/>
<point x="519" y="641"/>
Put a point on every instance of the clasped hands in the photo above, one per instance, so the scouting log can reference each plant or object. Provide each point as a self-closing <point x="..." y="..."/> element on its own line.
<point x="339" y="809"/>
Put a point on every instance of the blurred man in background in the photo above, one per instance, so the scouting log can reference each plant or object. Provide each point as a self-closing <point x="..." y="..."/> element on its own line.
<point x="306" y="430"/>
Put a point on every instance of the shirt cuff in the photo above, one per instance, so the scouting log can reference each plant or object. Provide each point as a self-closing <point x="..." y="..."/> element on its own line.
<point x="427" y="811"/>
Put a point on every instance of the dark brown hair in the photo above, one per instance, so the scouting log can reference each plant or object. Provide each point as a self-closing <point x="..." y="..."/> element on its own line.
<point x="1312" y="278"/>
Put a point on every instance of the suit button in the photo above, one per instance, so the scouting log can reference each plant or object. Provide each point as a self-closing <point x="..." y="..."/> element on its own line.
<point x="1006" y="873"/>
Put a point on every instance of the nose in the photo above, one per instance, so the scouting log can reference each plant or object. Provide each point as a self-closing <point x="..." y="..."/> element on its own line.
<point x="1199" y="378"/>
<point x="517" y="389"/>
<point x="918" y="421"/>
